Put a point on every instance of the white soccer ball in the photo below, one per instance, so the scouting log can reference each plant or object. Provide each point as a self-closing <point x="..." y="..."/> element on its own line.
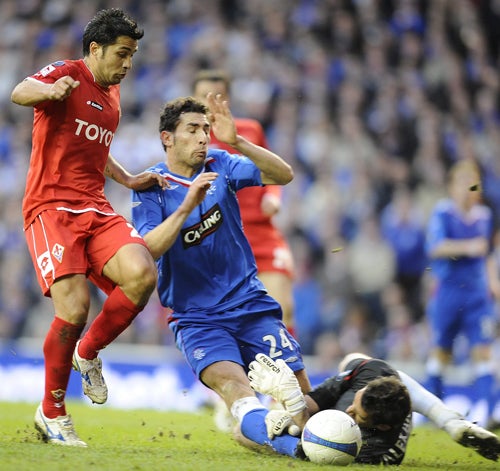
<point x="331" y="437"/>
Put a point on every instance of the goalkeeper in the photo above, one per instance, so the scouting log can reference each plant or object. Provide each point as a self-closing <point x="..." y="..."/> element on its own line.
<point x="379" y="398"/>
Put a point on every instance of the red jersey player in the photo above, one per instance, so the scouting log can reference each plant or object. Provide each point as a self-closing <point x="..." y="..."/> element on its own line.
<point x="71" y="229"/>
<point x="258" y="205"/>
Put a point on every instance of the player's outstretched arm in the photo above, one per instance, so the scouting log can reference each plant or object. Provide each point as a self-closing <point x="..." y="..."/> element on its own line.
<point x="139" y="182"/>
<point x="30" y="92"/>
<point x="274" y="170"/>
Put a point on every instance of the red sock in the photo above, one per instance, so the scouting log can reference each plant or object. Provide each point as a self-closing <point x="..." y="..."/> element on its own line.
<point x="58" y="350"/>
<point x="117" y="314"/>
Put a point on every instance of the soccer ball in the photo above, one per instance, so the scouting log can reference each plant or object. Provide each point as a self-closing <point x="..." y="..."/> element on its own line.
<point x="331" y="437"/>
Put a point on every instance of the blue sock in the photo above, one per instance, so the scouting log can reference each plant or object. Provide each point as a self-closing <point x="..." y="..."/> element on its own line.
<point x="253" y="427"/>
<point x="435" y="385"/>
<point x="483" y="389"/>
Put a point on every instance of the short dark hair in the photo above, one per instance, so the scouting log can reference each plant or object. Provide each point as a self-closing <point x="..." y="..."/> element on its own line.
<point x="387" y="401"/>
<point x="212" y="75"/>
<point x="106" y="26"/>
<point x="172" y="111"/>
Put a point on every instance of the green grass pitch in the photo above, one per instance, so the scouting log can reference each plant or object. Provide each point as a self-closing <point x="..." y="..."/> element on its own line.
<point x="122" y="440"/>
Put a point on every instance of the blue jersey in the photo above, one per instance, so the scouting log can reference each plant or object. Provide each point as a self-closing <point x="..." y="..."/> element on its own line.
<point x="448" y="222"/>
<point x="462" y="300"/>
<point x="210" y="268"/>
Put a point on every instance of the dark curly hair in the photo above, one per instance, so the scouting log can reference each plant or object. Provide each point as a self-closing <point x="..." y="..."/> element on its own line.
<point x="172" y="111"/>
<point x="106" y="26"/>
<point x="387" y="401"/>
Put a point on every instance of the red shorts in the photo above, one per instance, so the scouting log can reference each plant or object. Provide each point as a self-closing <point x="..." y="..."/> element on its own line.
<point x="66" y="243"/>
<point x="274" y="258"/>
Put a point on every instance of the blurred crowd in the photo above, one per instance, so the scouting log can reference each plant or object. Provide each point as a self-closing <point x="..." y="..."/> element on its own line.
<point x="370" y="100"/>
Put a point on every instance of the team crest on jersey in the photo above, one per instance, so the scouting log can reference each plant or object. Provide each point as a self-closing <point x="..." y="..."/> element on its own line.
<point x="57" y="252"/>
<point x="199" y="354"/>
<point x="210" y="222"/>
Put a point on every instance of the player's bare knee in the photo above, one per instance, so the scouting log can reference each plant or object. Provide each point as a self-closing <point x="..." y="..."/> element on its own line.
<point x="74" y="312"/>
<point x="71" y="299"/>
<point x="147" y="281"/>
<point x="148" y="278"/>
<point x="140" y="281"/>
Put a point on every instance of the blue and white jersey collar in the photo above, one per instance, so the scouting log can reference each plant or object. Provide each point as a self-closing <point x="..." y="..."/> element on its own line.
<point x="162" y="169"/>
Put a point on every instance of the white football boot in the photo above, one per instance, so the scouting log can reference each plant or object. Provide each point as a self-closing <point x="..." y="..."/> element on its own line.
<point x="473" y="436"/>
<point x="59" y="431"/>
<point x="93" y="382"/>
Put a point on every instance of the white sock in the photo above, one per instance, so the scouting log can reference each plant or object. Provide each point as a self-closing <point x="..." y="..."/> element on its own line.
<point x="243" y="406"/>
<point x="425" y="403"/>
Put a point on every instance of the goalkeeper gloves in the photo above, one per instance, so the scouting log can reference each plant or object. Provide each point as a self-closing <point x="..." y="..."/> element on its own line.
<point x="279" y="421"/>
<point x="276" y="379"/>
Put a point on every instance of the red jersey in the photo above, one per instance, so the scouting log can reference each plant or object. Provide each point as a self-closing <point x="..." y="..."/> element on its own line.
<point x="263" y="236"/>
<point x="70" y="144"/>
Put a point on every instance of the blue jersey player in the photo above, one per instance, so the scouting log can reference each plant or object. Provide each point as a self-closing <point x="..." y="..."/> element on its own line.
<point x="458" y="244"/>
<point x="221" y="314"/>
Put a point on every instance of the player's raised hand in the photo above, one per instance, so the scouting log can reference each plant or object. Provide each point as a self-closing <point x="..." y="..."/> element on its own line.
<point x="221" y="119"/>
<point x="62" y="88"/>
<point x="276" y="379"/>
<point x="198" y="190"/>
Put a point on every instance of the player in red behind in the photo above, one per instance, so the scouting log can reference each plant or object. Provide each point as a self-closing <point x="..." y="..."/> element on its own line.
<point x="258" y="205"/>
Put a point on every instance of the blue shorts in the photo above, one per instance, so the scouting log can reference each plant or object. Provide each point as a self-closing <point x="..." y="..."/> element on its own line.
<point x="236" y="336"/>
<point x="452" y="311"/>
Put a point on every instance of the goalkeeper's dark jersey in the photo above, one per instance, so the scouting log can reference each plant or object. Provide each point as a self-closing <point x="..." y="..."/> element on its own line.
<point x="338" y="393"/>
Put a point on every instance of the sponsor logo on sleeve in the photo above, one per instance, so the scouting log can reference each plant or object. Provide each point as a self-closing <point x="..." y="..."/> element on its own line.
<point x="50" y="68"/>
<point x="45" y="264"/>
